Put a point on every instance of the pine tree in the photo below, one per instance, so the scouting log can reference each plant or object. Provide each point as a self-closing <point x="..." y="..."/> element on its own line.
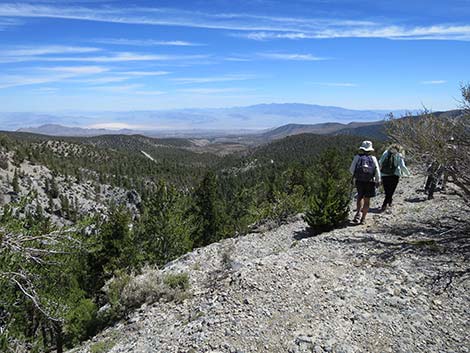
<point x="112" y="249"/>
<point x="206" y="212"/>
<point x="329" y="204"/>
<point x="164" y="230"/>
<point x="15" y="182"/>
<point x="53" y="188"/>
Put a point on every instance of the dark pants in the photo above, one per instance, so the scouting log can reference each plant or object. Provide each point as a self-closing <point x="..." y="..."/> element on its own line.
<point x="390" y="184"/>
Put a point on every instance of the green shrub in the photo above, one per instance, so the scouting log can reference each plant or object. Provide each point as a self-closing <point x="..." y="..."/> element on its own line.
<point x="126" y="292"/>
<point x="329" y="205"/>
<point x="177" y="281"/>
<point x="80" y="321"/>
<point x="102" y="346"/>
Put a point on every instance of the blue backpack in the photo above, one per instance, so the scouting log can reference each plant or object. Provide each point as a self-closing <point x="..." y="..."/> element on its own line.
<point x="365" y="168"/>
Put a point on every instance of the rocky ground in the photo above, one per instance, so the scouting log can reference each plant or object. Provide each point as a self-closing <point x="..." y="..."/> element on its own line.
<point x="400" y="283"/>
<point x="86" y="196"/>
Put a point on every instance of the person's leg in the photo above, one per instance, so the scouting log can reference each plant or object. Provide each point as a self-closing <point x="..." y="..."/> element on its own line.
<point x="365" y="208"/>
<point x="360" y="198"/>
<point x="387" y="189"/>
<point x="358" y="209"/>
<point x="392" y="187"/>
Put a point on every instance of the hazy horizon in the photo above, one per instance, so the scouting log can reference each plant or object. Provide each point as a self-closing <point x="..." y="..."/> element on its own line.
<point x="255" y="117"/>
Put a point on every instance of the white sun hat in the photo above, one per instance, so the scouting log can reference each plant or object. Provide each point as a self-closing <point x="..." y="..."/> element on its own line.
<point x="366" y="146"/>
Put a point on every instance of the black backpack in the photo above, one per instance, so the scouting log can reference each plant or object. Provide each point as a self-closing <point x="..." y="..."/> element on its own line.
<point x="389" y="164"/>
<point x="365" y="168"/>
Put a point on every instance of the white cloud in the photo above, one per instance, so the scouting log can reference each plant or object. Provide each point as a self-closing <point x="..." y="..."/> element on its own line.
<point x="114" y="58"/>
<point x="146" y="73"/>
<point x="119" y="89"/>
<point x="294" y="57"/>
<point x="336" y="84"/>
<point x="149" y="93"/>
<point x="212" y="90"/>
<point x="145" y="42"/>
<point x="103" y="80"/>
<point x="224" y="78"/>
<point x="46" y="89"/>
<point x="45" y="50"/>
<point x="81" y="70"/>
<point x="436" y="32"/>
<point x="433" y="82"/>
<point x="260" y="27"/>
<point x="54" y="74"/>
<point x="8" y="81"/>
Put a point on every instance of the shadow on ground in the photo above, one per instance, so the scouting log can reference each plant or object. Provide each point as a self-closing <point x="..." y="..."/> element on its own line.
<point x="442" y="246"/>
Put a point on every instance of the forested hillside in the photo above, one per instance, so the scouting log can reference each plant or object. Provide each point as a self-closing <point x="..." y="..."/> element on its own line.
<point x="77" y="212"/>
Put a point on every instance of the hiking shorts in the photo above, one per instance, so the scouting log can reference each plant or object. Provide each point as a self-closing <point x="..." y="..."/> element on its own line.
<point x="365" y="189"/>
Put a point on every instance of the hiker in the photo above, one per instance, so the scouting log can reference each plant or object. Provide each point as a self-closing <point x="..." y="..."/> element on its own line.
<point x="392" y="167"/>
<point x="365" y="170"/>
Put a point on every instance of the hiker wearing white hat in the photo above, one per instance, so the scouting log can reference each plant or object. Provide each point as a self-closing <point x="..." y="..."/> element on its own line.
<point x="366" y="172"/>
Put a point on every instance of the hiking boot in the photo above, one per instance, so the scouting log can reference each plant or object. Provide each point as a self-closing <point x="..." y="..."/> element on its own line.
<point x="384" y="208"/>
<point x="356" y="218"/>
<point x="362" y="221"/>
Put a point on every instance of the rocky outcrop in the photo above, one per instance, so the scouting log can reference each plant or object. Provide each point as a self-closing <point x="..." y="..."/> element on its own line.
<point x="87" y="197"/>
<point x="398" y="284"/>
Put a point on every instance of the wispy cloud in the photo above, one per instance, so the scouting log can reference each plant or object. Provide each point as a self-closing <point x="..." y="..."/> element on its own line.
<point x="80" y="70"/>
<point x="145" y="42"/>
<point x="112" y="58"/>
<point x="8" y="81"/>
<point x="45" y="50"/>
<point x="436" y="32"/>
<point x="119" y="88"/>
<point x="212" y="90"/>
<point x="145" y="73"/>
<point x="336" y="84"/>
<point x="258" y="27"/>
<point x="103" y="80"/>
<point x="433" y="82"/>
<point x="46" y="89"/>
<point x="149" y="93"/>
<point x="48" y="75"/>
<point x="88" y="74"/>
<point x="212" y="79"/>
<point x="8" y="22"/>
<point x="291" y="56"/>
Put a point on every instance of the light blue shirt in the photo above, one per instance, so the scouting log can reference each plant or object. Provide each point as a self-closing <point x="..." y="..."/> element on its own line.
<point x="400" y="170"/>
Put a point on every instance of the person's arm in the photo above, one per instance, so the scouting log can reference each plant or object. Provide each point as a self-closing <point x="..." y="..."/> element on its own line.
<point x="402" y="167"/>
<point x="382" y="158"/>
<point x="377" y="176"/>
<point x="352" y="168"/>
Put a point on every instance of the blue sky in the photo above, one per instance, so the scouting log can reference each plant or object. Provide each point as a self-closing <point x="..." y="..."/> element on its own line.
<point x="150" y="55"/>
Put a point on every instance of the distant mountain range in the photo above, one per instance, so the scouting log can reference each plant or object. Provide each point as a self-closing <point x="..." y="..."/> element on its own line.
<point x="372" y="129"/>
<point x="255" y="117"/>
<point x="60" y="130"/>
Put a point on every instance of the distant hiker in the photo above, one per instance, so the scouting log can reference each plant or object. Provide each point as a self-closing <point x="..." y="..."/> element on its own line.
<point x="392" y="167"/>
<point x="365" y="170"/>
